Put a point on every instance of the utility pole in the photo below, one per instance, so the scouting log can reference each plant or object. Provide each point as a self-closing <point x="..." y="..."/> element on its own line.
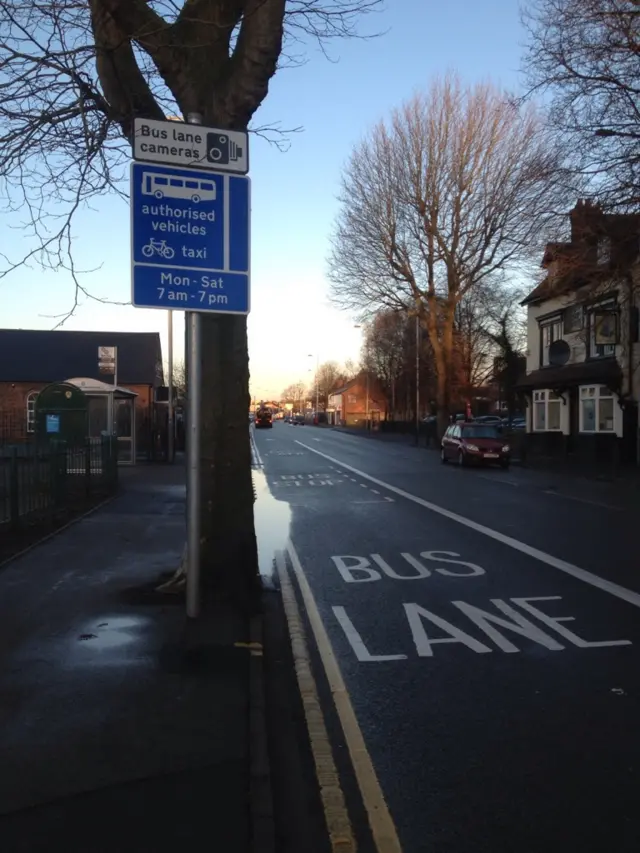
<point x="194" y="365"/>
<point x="317" y="380"/>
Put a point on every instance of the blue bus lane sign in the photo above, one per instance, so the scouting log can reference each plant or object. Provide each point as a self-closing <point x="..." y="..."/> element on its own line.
<point x="190" y="239"/>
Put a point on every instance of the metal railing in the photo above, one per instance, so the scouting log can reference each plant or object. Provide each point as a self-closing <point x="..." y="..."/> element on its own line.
<point x="41" y="481"/>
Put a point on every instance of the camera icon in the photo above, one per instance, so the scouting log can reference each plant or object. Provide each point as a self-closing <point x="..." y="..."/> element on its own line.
<point x="221" y="149"/>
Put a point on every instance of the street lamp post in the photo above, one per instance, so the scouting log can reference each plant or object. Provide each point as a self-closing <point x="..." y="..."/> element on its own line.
<point x="366" y="355"/>
<point x="317" y="385"/>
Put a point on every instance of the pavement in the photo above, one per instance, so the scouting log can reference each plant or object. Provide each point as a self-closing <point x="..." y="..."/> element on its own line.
<point x="115" y="734"/>
<point x="473" y="638"/>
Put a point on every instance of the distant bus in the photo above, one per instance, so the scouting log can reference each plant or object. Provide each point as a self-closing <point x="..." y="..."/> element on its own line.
<point x="163" y="186"/>
<point x="264" y="418"/>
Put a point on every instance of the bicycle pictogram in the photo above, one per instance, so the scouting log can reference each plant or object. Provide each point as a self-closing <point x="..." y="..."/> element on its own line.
<point x="158" y="247"/>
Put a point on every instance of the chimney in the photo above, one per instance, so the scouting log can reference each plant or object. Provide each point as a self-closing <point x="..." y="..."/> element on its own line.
<point x="585" y="220"/>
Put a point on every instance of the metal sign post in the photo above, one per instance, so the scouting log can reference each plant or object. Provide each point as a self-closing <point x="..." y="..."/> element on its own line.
<point x="170" y="415"/>
<point x="194" y="391"/>
<point x="190" y="252"/>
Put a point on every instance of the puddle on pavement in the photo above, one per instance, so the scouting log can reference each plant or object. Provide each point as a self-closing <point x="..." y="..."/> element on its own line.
<point x="272" y="522"/>
<point x="112" y="632"/>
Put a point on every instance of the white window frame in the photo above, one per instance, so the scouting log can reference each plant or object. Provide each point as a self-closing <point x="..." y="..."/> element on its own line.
<point x="596" y="393"/>
<point x="547" y="398"/>
<point x="550" y="331"/>
<point x="32" y="396"/>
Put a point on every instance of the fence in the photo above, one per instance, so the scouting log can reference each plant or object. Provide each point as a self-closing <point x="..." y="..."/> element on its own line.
<point x="41" y="483"/>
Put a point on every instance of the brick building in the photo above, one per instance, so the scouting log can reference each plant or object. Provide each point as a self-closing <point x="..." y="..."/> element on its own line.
<point x="31" y="359"/>
<point x="348" y="405"/>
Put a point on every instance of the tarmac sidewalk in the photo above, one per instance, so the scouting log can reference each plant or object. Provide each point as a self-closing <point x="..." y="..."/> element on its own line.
<point x="111" y="737"/>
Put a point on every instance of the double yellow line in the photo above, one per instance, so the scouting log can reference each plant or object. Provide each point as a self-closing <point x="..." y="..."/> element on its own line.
<point x="336" y="814"/>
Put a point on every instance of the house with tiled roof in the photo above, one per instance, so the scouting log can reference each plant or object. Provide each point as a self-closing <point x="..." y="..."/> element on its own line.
<point x="32" y="359"/>
<point x="351" y="404"/>
<point x="582" y="378"/>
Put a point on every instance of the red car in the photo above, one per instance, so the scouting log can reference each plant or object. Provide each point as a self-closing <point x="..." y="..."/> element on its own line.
<point x="467" y="443"/>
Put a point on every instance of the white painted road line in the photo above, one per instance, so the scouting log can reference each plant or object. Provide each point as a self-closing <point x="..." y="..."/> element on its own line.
<point x="372" y="502"/>
<point x="254" y="450"/>
<point x="383" y="829"/>
<point x="583" y="575"/>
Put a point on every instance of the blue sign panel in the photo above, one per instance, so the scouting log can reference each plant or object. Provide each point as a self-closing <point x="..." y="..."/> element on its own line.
<point x="190" y="239"/>
<point x="53" y="423"/>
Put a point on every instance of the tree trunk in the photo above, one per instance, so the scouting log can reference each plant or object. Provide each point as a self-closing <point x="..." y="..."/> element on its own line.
<point x="442" y="347"/>
<point x="229" y="551"/>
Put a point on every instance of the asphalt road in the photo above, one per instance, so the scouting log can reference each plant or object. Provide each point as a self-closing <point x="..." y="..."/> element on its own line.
<point x="486" y="626"/>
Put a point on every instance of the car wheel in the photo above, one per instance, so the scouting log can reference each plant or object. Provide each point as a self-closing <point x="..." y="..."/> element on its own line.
<point x="443" y="457"/>
<point x="461" y="460"/>
<point x="504" y="463"/>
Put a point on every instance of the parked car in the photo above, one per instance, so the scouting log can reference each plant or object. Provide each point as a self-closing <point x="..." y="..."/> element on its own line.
<point x="469" y="442"/>
<point x="518" y="423"/>
<point x="495" y="420"/>
<point x="298" y="420"/>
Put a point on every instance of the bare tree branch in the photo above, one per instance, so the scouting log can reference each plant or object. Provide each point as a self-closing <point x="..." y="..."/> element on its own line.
<point x="74" y="75"/>
<point x="459" y="187"/>
<point x="585" y="54"/>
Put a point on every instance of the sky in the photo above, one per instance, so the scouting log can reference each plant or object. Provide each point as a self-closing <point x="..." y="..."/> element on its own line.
<point x="334" y="101"/>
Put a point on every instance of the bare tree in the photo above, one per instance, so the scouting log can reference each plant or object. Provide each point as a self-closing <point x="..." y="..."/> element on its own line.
<point x="295" y="393"/>
<point x="473" y="349"/>
<point x="328" y="376"/>
<point x="458" y="186"/>
<point x="384" y="352"/>
<point x="584" y="53"/>
<point x="508" y="336"/>
<point x="480" y="319"/>
<point x="179" y="377"/>
<point x="350" y="370"/>
<point x="73" y="77"/>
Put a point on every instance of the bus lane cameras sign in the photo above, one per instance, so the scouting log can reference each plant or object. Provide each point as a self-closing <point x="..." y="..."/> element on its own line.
<point x="190" y="239"/>
<point x="191" y="145"/>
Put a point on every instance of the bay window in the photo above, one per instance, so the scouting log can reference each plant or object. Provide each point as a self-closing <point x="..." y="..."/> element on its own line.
<point x="597" y="409"/>
<point x="546" y="411"/>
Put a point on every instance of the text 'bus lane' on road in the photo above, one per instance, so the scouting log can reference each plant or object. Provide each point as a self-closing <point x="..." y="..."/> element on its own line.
<point x="420" y="601"/>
